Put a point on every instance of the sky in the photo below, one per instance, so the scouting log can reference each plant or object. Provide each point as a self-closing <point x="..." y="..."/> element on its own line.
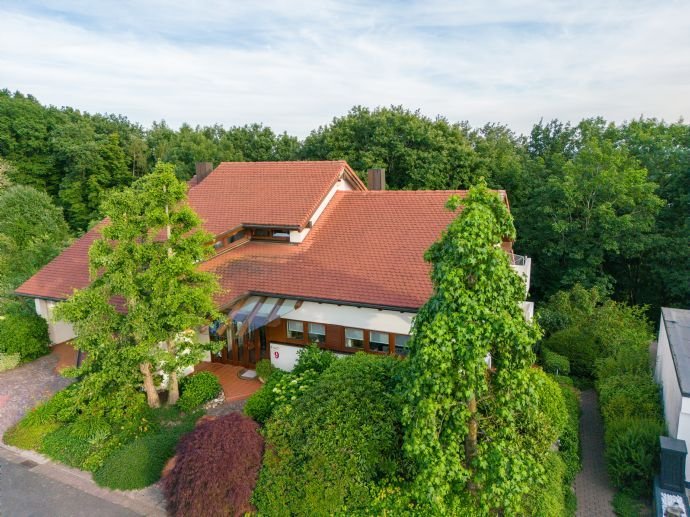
<point x="294" y="66"/>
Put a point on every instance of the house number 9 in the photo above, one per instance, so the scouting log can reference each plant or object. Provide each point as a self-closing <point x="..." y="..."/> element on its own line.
<point x="276" y="355"/>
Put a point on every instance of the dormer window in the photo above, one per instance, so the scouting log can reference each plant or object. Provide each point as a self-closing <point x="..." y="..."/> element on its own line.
<point x="217" y="245"/>
<point x="271" y="234"/>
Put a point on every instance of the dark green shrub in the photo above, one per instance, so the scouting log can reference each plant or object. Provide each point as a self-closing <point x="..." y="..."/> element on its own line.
<point x="264" y="369"/>
<point x="554" y="363"/>
<point x="22" y="332"/>
<point x="260" y="405"/>
<point x="629" y="396"/>
<point x="329" y="448"/>
<point x="632" y="451"/>
<point x="632" y="360"/>
<point x="198" y="389"/>
<point x="569" y="441"/>
<point x="313" y="358"/>
<point x="579" y="346"/>
<point x="549" y="500"/>
<point x="139" y="463"/>
<point x="624" y="505"/>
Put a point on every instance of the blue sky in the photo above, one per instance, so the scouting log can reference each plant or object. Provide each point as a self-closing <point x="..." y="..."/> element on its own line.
<point x="296" y="65"/>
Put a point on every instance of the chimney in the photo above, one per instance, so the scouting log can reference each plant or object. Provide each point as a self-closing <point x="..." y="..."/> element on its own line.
<point x="376" y="179"/>
<point x="203" y="169"/>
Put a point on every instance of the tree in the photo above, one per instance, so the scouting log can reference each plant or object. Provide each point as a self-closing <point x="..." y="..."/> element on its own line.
<point x="32" y="232"/>
<point x="5" y="170"/>
<point x="148" y="255"/>
<point x="476" y="434"/>
<point x="146" y="263"/>
<point x="417" y="152"/>
<point x="575" y="218"/>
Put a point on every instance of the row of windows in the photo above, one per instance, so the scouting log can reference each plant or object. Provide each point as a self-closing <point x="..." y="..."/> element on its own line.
<point x="354" y="337"/>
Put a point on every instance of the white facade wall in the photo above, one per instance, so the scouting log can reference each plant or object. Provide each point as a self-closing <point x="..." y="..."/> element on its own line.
<point x="665" y="374"/>
<point x="58" y="331"/>
<point x="358" y="317"/>
<point x="676" y="406"/>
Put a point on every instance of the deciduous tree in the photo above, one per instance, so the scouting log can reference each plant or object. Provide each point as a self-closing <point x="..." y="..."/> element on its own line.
<point x="475" y="433"/>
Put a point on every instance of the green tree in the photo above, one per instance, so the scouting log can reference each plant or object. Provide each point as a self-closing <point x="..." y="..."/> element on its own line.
<point x="417" y="152"/>
<point x="148" y="256"/>
<point x="32" y="232"/>
<point x="577" y="215"/>
<point x="475" y="433"/>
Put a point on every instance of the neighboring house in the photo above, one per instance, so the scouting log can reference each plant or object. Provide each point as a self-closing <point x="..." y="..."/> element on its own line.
<point x="672" y="371"/>
<point x="305" y="253"/>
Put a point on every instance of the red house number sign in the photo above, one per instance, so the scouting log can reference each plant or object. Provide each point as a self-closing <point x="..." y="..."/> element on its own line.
<point x="276" y="354"/>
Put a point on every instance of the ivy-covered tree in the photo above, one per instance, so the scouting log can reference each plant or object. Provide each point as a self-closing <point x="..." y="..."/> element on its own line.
<point x="474" y="427"/>
<point x="147" y="260"/>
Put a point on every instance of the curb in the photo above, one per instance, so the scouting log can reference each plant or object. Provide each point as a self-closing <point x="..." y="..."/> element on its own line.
<point x="148" y="501"/>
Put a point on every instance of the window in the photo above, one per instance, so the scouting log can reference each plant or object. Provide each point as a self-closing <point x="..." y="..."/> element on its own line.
<point x="378" y="341"/>
<point x="401" y="347"/>
<point x="281" y="234"/>
<point x="354" y="338"/>
<point x="236" y="237"/>
<point x="317" y="333"/>
<point x="261" y="232"/>
<point x="295" y="329"/>
<point x="218" y="244"/>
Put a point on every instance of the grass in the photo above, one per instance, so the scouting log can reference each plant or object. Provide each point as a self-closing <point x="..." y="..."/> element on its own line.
<point x="29" y="437"/>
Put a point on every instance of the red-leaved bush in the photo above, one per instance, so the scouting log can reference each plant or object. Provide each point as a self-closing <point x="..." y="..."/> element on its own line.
<point x="216" y="468"/>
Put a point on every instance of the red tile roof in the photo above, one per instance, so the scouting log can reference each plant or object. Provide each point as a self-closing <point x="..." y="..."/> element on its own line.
<point x="66" y="272"/>
<point x="366" y="248"/>
<point x="265" y="193"/>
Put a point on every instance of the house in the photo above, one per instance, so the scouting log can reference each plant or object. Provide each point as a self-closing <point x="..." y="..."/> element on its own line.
<point x="305" y="252"/>
<point x="672" y="371"/>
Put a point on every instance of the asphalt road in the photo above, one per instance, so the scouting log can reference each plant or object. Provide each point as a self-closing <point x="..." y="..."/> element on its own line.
<point x="24" y="493"/>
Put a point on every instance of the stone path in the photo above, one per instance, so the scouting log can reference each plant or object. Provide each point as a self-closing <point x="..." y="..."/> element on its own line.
<point x="24" y="387"/>
<point x="592" y="487"/>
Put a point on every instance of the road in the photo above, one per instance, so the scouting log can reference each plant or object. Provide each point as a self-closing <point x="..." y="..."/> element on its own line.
<point x="25" y="493"/>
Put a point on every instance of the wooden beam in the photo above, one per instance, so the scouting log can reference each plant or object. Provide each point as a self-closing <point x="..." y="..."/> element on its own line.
<point x="245" y="325"/>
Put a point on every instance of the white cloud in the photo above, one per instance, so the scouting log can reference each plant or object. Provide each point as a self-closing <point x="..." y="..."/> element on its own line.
<point x="294" y="67"/>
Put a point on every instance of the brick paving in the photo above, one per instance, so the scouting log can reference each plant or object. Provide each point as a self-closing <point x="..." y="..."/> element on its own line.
<point x="24" y="387"/>
<point x="592" y="486"/>
<point x="235" y="389"/>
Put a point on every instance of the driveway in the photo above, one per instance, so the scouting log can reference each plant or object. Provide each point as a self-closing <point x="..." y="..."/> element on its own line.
<point x="24" y="387"/>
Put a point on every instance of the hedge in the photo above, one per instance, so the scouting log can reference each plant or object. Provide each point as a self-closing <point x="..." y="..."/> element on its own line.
<point x="555" y="363"/>
<point x="327" y="450"/>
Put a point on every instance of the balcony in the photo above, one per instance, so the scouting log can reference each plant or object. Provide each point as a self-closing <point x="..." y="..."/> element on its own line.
<point x="522" y="266"/>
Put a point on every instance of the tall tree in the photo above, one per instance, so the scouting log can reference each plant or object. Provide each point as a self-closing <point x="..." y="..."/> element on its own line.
<point x="416" y="151"/>
<point x="576" y="214"/>
<point x="471" y="430"/>
<point x="148" y="256"/>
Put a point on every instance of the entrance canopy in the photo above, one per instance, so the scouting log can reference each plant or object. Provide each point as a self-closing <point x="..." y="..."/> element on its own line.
<point x="258" y="311"/>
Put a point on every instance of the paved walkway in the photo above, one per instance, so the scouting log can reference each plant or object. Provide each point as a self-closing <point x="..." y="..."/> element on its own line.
<point x="592" y="487"/>
<point x="234" y="387"/>
<point x="24" y="387"/>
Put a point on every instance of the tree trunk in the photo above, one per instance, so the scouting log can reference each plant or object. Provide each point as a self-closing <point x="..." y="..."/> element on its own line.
<point x="173" y="389"/>
<point x="150" y="388"/>
<point x="471" y="439"/>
